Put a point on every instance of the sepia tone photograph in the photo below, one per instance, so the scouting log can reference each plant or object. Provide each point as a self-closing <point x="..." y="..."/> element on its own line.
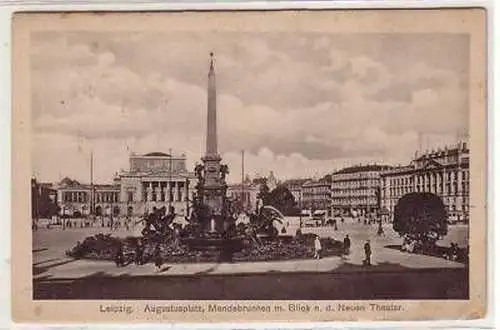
<point x="336" y="166"/>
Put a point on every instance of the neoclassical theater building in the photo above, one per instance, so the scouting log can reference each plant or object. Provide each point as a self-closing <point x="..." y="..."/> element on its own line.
<point x="153" y="180"/>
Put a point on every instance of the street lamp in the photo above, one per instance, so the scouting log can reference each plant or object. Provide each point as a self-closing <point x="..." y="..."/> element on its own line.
<point x="187" y="197"/>
<point x="300" y="208"/>
<point x="63" y="213"/>
<point x="53" y="206"/>
<point x="169" y="181"/>
<point x="34" y="199"/>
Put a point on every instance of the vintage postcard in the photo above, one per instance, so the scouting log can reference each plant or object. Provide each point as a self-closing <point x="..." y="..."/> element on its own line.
<point x="323" y="165"/>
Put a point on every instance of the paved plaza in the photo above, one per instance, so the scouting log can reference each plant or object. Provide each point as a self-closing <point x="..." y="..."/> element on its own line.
<point x="50" y="261"/>
<point x="394" y="274"/>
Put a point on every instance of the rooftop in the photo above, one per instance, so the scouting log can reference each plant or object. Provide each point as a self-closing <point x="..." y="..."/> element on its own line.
<point x="295" y="182"/>
<point x="324" y="180"/>
<point x="69" y="183"/>
<point x="455" y="150"/>
<point x="157" y="154"/>
<point x="363" y="168"/>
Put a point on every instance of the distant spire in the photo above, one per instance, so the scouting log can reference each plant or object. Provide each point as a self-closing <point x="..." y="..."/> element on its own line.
<point x="212" y="63"/>
<point x="420" y="142"/>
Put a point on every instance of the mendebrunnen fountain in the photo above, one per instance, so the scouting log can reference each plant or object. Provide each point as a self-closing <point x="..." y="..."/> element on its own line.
<point x="211" y="234"/>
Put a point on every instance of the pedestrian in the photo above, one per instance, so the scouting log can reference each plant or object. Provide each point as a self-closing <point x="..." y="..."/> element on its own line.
<point x="120" y="259"/>
<point x="380" y="230"/>
<point x="317" y="248"/>
<point x="139" y="253"/>
<point x="453" y="254"/>
<point x="127" y="223"/>
<point x="347" y="245"/>
<point x="368" y="254"/>
<point x="158" y="258"/>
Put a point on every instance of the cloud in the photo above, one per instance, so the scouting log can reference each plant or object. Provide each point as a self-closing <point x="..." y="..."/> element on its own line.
<point x="296" y="105"/>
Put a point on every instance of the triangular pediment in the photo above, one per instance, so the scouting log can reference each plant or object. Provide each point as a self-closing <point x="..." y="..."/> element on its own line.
<point x="431" y="164"/>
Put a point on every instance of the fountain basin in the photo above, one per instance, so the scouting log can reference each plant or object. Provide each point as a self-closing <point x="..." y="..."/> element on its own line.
<point x="213" y="243"/>
<point x="220" y="247"/>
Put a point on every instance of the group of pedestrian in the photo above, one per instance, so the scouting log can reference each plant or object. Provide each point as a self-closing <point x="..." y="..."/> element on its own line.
<point x="346" y="249"/>
<point x="138" y="256"/>
<point x="453" y="252"/>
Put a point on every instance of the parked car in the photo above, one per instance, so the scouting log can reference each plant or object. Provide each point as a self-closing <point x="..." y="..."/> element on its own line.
<point x="310" y="222"/>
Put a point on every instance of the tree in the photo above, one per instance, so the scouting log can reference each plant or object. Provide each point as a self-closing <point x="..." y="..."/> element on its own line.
<point x="282" y="199"/>
<point x="421" y="217"/>
<point x="263" y="194"/>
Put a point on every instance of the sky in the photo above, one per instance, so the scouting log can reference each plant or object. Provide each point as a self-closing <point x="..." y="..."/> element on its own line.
<point x="300" y="105"/>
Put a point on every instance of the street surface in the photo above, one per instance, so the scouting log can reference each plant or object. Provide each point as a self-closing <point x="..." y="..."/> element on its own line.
<point x="394" y="274"/>
<point x="421" y="284"/>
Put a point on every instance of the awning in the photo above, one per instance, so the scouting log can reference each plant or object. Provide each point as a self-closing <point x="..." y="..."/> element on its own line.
<point x="384" y="211"/>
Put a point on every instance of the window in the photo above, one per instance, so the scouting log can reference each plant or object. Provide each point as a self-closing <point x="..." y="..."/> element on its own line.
<point x="130" y="196"/>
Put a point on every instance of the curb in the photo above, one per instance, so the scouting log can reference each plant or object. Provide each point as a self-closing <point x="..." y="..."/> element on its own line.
<point x="249" y="274"/>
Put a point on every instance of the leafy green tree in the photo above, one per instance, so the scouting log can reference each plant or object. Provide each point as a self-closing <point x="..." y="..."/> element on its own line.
<point x="264" y="193"/>
<point x="282" y="199"/>
<point x="421" y="217"/>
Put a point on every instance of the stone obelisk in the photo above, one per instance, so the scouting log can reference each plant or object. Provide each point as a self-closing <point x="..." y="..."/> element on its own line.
<point x="211" y="150"/>
<point x="213" y="185"/>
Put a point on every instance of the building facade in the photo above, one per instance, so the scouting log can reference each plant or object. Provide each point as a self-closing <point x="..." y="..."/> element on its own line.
<point x="356" y="189"/>
<point x="245" y="195"/>
<point x="316" y="195"/>
<point x="271" y="181"/>
<point x="43" y="200"/>
<point x="156" y="180"/>
<point x="442" y="172"/>
<point x="74" y="198"/>
<point x="153" y="180"/>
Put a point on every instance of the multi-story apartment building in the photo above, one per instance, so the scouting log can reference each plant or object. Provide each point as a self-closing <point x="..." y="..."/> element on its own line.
<point x="316" y="195"/>
<point x="443" y="172"/>
<point x="356" y="189"/>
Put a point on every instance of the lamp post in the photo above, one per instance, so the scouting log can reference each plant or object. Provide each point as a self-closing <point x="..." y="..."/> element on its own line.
<point x="187" y="197"/>
<point x="34" y="199"/>
<point x="169" y="181"/>
<point x="53" y="207"/>
<point x="63" y="214"/>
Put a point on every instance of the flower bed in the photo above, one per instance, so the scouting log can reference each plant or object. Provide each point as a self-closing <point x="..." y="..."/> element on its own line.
<point x="106" y="247"/>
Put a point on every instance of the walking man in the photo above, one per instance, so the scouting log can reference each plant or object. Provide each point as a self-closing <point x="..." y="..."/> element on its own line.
<point x="347" y="245"/>
<point x="317" y="248"/>
<point x="368" y="254"/>
<point x="120" y="258"/>
<point x="158" y="258"/>
<point x="380" y="231"/>
<point x="139" y="253"/>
